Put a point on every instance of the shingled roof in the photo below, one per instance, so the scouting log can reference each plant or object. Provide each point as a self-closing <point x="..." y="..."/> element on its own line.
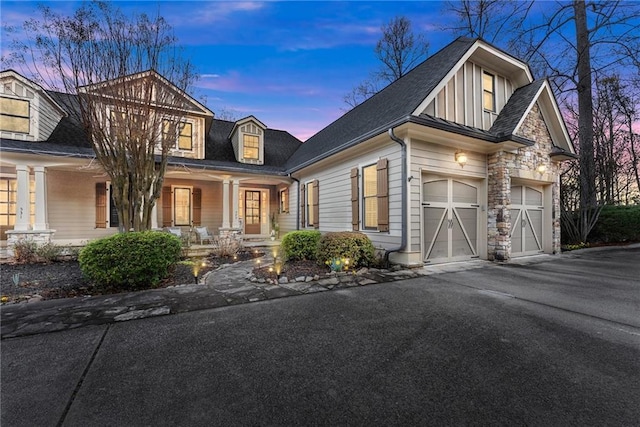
<point x="397" y="100"/>
<point x="515" y="108"/>
<point x="68" y="138"/>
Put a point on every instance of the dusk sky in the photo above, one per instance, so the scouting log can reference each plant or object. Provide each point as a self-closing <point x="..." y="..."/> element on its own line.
<point x="288" y="63"/>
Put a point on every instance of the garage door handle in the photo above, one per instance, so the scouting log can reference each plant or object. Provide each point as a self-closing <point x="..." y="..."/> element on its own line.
<point x="426" y="204"/>
<point x="475" y="206"/>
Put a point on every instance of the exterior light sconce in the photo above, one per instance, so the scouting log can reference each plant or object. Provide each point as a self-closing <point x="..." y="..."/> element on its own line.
<point x="461" y="158"/>
<point x="541" y="168"/>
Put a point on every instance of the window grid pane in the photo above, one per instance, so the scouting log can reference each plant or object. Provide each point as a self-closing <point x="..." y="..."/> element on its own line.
<point x="8" y="189"/>
<point x="370" y="196"/>
<point x="310" y="219"/>
<point x="182" y="202"/>
<point x="15" y="115"/>
<point x="488" y="92"/>
<point x="251" y="145"/>
<point x="185" y="141"/>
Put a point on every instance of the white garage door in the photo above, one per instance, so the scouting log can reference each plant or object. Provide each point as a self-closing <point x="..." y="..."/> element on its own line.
<point x="450" y="215"/>
<point x="526" y="219"/>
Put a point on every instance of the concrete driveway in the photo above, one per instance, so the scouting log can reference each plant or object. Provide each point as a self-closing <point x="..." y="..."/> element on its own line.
<point x="543" y="341"/>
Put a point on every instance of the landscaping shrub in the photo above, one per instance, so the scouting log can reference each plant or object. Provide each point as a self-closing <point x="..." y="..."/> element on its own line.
<point x="227" y="246"/>
<point x="300" y="245"/>
<point x="25" y="251"/>
<point x="130" y="261"/>
<point x="48" y="252"/>
<point x="617" y="224"/>
<point x="346" y="245"/>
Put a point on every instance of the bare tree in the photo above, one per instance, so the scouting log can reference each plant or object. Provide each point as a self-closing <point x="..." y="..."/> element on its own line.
<point x="399" y="50"/>
<point x="572" y="43"/>
<point x="127" y="80"/>
<point x="487" y="19"/>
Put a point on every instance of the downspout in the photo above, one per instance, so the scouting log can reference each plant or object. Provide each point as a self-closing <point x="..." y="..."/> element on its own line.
<point x="403" y="240"/>
<point x="298" y="204"/>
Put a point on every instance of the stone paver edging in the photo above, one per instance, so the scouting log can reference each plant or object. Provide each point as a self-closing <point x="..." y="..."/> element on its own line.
<point x="226" y="286"/>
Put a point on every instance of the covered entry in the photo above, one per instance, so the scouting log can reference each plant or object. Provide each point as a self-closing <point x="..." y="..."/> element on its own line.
<point x="450" y="218"/>
<point x="527" y="219"/>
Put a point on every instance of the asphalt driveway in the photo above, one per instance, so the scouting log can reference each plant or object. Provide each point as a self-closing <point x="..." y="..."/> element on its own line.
<point x="538" y="342"/>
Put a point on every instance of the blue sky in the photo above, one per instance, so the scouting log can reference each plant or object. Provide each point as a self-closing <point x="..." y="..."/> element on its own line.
<point x="287" y="63"/>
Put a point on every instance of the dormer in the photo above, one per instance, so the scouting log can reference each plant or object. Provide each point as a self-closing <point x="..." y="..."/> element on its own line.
<point x="475" y="91"/>
<point x="247" y="138"/>
<point x="27" y="112"/>
<point x="175" y="117"/>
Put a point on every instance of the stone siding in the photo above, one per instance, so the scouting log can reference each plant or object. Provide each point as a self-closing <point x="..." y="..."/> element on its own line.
<point x="503" y="167"/>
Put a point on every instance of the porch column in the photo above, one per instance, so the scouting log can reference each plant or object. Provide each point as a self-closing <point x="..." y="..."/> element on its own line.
<point x="225" y="204"/>
<point x="41" y="199"/>
<point x="236" y="193"/>
<point x="154" y="216"/>
<point x="23" y="213"/>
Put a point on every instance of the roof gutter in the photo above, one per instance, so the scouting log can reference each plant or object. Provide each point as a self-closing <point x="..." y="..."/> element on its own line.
<point x="403" y="240"/>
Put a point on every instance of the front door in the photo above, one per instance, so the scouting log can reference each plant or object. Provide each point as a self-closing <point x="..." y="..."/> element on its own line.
<point x="252" y="212"/>
<point x="526" y="219"/>
<point x="450" y="215"/>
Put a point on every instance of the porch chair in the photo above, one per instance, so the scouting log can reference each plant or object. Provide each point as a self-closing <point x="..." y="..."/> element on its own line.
<point x="203" y="235"/>
<point x="176" y="231"/>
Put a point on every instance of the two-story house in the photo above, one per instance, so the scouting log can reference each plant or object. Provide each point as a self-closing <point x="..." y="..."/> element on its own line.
<point x="457" y="159"/>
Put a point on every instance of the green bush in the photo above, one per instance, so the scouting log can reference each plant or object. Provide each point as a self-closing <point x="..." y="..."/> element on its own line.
<point x="300" y="245"/>
<point x="617" y="224"/>
<point x="354" y="246"/>
<point x="130" y="261"/>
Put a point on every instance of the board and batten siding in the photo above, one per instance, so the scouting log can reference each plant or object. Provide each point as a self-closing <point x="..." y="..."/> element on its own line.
<point x="460" y="100"/>
<point x="436" y="159"/>
<point x="335" y="191"/>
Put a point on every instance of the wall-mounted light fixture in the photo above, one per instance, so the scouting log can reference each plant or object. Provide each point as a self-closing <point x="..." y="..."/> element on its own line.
<point x="461" y="158"/>
<point x="541" y="168"/>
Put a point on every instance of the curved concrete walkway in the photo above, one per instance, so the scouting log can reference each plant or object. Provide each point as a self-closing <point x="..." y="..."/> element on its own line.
<point x="228" y="285"/>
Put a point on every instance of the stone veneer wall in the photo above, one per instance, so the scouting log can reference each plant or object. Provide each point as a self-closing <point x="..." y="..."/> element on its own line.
<point x="502" y="167"/>
<point x="498" y="207"/>
<point x="40" y="237"/>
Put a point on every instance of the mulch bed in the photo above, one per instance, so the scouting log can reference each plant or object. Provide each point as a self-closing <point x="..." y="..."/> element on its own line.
<point x="63" y="279"/>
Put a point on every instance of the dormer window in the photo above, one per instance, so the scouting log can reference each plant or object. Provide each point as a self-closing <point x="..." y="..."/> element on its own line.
<point x="247" y="137"/>
<point x="14" y="115"/>
<point x="251" y="147"/>
<point x="488" y="91"/>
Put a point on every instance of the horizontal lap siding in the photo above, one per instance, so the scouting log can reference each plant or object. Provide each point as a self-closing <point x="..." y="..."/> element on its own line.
<point x="436" y="159"/>
<point x="335" y="192"/>
<point x="211" y="208"/>
<point x="287" y="221"/>
<point x="71" y="203"/>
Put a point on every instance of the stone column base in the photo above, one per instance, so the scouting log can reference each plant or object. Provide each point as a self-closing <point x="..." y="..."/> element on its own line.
<point x="40" y="237"/>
